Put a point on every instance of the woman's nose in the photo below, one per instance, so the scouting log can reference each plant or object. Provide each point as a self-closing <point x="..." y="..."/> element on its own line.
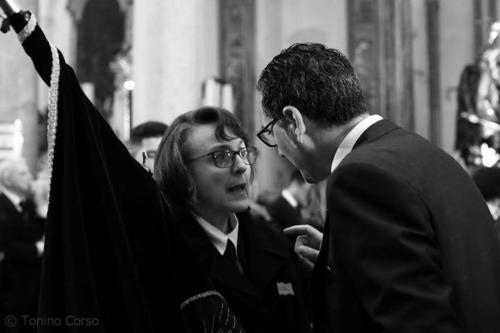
<point x="239" y="166"/>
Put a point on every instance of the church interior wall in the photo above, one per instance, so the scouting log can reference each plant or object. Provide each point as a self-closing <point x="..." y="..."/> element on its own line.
<point x="176" y="48"/>
<point x="457" y="50"/>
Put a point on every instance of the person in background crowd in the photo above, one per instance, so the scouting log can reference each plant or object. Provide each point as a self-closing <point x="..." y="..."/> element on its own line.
<point x="286" y="210"/>
<point x="205" y="168"/>
<point x="409" y="245"/>
<point x="144" y="140"/>
<point x="21" y="231"/>
<point x="314" y="211"/>
<point x="488" y="182"/>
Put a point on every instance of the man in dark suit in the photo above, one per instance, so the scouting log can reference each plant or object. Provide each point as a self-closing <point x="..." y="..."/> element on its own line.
<point x="21" y="231"/>
<point x="286" y="210"/>
<point x="409" y="243"/>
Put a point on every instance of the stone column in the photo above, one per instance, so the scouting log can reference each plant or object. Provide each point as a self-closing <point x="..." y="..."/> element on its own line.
<point x="174" y="47"/>
<point x="380" y="49"/>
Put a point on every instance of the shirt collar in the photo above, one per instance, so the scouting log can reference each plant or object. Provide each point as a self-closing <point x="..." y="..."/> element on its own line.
<point x="350" y="139"/>
<point x="289" y="197"/>
<point x="217" y="237"/>
<point x="14" y="198"/>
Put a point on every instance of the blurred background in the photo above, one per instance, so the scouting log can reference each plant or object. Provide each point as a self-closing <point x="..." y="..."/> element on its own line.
<point x="143" y="60"/>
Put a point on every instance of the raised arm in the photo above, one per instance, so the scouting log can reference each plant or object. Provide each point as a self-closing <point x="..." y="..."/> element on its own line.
<point x="112" y="255"/>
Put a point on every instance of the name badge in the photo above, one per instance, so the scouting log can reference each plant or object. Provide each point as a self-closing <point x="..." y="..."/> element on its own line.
<point x="285" y="288"/>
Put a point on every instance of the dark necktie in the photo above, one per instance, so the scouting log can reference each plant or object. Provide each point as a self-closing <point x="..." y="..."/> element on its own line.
<point x="25" y="210"/>
<point x="230" y="254"/>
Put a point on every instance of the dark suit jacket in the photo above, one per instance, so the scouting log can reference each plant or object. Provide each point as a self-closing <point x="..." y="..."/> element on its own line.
<point x="267" y="262"/>
<point x="409" y="244"/>
<point x="283" y="214"/>
<point x="19" y="233"/>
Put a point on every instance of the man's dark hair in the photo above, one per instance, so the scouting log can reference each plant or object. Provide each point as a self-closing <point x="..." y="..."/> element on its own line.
<point x="147" y="129"/>
<point x="171" y="167"/>
<point x="317" y="80"/>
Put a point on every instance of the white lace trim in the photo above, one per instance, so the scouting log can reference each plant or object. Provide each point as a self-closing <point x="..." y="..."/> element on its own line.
<point x="28" y="29"/>
<point x="202" y="295"/>
<point x="52" y="114"/>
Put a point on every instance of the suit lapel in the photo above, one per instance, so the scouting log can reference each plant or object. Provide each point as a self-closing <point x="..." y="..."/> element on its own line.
<point x="8" y="207"/>
<point x="264" y="258"/>
<point x="220" y="270"/>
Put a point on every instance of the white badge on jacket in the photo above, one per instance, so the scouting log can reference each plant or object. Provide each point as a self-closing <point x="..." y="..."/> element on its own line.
<point x="285" y="288"/>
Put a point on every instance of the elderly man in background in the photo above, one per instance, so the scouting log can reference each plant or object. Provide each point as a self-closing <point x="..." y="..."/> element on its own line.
<point x="21" y="232"/>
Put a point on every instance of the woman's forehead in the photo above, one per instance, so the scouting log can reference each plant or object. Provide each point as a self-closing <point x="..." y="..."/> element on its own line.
<point x="202" y="138"/>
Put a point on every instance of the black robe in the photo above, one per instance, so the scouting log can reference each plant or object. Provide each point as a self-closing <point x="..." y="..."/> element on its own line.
<point x="113" y="260"/>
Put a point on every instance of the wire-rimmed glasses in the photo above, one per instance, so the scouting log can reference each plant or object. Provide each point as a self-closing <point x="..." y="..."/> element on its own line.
<point x="224" y="158"/>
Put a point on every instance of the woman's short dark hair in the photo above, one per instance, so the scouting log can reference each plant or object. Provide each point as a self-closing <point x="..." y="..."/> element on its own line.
<point x="171" y="165"/>
<point x="317" y="80"/>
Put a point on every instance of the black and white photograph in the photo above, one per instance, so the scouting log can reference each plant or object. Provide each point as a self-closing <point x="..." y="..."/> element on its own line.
<point x="250" y="166"/>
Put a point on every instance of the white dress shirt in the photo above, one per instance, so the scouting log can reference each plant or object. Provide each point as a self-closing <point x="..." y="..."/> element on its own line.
<point x="289" y="197"/>
<point x="217" y="237"/>
<point x="220" y="239"/>
<point x="350" y="139"/>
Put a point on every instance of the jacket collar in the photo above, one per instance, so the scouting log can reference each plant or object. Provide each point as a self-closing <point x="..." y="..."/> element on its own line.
<point x="8" y="204"/>
<point x="347" y="144"/>
<point x="375" y="131"/>
<point x="266" y="255"/>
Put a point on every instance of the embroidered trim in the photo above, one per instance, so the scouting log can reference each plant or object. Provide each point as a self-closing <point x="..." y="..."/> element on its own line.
<point x="28" y="29"/>
<point x="52" y="113"/>
<point x="202" y="295"/>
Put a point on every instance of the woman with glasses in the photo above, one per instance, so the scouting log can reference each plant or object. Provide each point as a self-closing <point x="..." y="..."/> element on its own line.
<point x="205" y="168"/>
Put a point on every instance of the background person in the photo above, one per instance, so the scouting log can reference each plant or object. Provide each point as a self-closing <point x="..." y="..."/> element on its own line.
<point x="144" y="141"/>
<point x="409" y="243"/>
<point x="287" y="209"/>
<point x="488" y="182"/>
<point x="21" y="231"/>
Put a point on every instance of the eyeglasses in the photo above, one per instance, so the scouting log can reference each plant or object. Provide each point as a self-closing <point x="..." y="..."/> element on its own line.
<point x="224" y="158"/>
<point x="266" y="134"/>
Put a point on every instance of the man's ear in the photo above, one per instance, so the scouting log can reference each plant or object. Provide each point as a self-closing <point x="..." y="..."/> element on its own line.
<point x="295" y="125"/>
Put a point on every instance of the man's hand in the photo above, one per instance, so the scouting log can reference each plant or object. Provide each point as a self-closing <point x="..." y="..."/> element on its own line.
<point x="307" y="243"/>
